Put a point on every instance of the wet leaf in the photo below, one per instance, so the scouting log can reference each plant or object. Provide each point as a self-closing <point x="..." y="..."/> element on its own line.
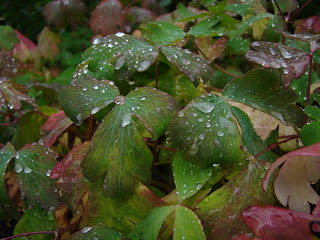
<point x="276" y="55"/>
<point x="69" y="178"/>
<point x="55" y="125"/>
<point x="292" y="185"/>
<point x="187" y="14"/>
<point x="60" y="13"/>
<point x="162" y="33"/>
<point x="238" y="45"/>
<point x="8" y="38"/>
<point x="188" y="178"/>
<point x="48" y="43"/>
<point x="6" y="154"/>
<point x="222" y="208"/>
<point x="149" y="227"/>
<point x="107" y="18"/>
<point x="206" y="132"/>
<point x="313" y="112"/>
<point x="211" y="51"/>
<point x="26" y="50"/>
<point x="256" y="89"/>
<point x="96" y="232"/>
<point x="37" y="219"/>
<point x="190" y="64"/>
<point x="128" y="53"/>
<point x="240" y="9"/>
<point x="121" y="216"/>
<point x="117" y="145"/>
<point x="32" y="162"/>
<point x="187" y="225"/>
<point x="250" y="139"/>
<point x="275" y="223"/>
<point x="86" y="97"/>
<point x="205" y="27"/>
<point x="12" y="93"/>
<point x="310" y="133"/>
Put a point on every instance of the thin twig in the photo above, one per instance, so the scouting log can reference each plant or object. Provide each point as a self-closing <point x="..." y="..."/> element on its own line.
<point x="299" y="9"/>
<point x="40" y="113"/>
<point x="9" y="115"/>
<point x="29" y="233"/>
<point x="223" y="70"/>
<point x="291" y="7"/>
<point x="287" y="136"/>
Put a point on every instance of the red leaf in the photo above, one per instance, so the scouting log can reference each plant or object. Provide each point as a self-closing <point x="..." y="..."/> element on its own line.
<point x="273" y="223"/>
<point x="309" y="24"/>
<point x="57" y="123"/>
<point x="107" y="18"/>
<point x="26" y="50"/>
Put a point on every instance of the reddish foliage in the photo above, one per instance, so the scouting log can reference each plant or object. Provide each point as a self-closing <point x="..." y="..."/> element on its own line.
<point x="310" y="24"/>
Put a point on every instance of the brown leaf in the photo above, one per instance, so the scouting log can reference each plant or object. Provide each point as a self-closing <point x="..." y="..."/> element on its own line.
<point x="211" y="51"/>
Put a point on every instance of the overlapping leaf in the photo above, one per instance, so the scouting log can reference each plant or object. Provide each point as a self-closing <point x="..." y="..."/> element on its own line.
<point x="12" y="93"/>
<point x="117" y="146"/>
<point x="55" y="125"/>
<point x="86" y="97"/>
<point x="96" y="232"/>
<point x="189" y="178"/>
<point x="211" y="51"/>
<point x="206" y="131"/>
<point x="292" y="185"/>
<point x="129" y="53"/>
<point x="205" y="27"/>
<point x="107" y="17"/>
<point x="8" y="38"/>
<point x="33" y="164"/>
<point x="222" y="209"/>
<point x="276" y="55"/>
<point x="69" y="178"/>
<point x="26" y="50"/>
<point x="162" y="33"/>
<point x="190" y="64"/>
<point x="256" y="89"/>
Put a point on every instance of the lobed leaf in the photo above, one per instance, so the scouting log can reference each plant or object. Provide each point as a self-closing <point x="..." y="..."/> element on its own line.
<point x="117" y="145"/>
<point x="222" y="208"/>
<point x="256" y="89"/>
<point x="276" y="55"/>
<point x="206" y="132"/>
<point x="33" y="164"/>
<point x="96" y="232"/>
<point x="205" y="27"/>
<point x="190" y="64"/>
<point x="86" y="97"/>
<point x="69" y="177"/>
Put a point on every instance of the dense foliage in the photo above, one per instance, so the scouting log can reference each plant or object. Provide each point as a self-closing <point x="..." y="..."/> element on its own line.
<point x="160" y="120"/>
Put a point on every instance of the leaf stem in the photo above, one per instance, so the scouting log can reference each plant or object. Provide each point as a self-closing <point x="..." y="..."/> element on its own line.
<point x="223" y="70"/>
<point x="290" y="11"/>
<point x="9" y="115"/>
<point x="287" y="136"/>
<point x="275" y="145"/>
<point x="40" y="113"/>
<point x="29" y="233"/>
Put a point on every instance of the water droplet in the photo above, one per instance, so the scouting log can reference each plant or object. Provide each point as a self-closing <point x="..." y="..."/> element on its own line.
<point x="198" y="186"/>
<point x="97" y="41"/>
<point x="18" y="168"/>
<point x="220" y="134"/>
<point x="95" y="110"/>
<point x="208" y="125"/>
<point x="194" y="148"/>
<point x="119" y="34"/>
<point x="27" y="170"/>
<point x="204" y="107"/>
<point x="143" y="66"/>
<point x="285" y="53"/>
<point x="201" y="136"/>
<point x="110" y="45"/>
<point x="86" y="229"/>
<point x="143" y="98"/>
<point x="200" y="119"/>
<point x="126" y="120"/>
<point x="272" y="51"/>
<point x="180" y="114"/>
<point x="48" y="173"/>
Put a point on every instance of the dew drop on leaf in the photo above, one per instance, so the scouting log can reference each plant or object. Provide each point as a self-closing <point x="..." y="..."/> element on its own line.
<point x="95" y="110"/>
<point x="220" y="134"/>
<point x="86" y="229"/>
<point x="27" y="170"/>
<point x="126" y="120"/>
<point x="18" y="167"/>
<point x="204" y="107"/>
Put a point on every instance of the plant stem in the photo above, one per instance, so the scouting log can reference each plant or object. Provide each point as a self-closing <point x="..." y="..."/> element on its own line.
<point x="29" y="233"/>
<point x="40" y="113"/>
<point x="275" y="145"/>
<point x="287" y="136"/>
<point x="285" y="24"/>
<point x="299" y="9"/>
<point x="290" y="11"/>
<point x="223" y="70"/>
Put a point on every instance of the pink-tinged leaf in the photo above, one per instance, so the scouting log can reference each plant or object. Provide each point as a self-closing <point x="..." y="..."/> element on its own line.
<point x="311" y="23"/>
<point x="56" y="124"/>
<point x="12" y="93"/>
<point x="276" y="55"/>
<point x="273" y="223"/>
<point x="48" y="43"/>
<point x="292" y="185"/>
<point x="69" y="176"/>
<point x="107" y="18"/>
<point x="60" y="13"/>
<point x="316" y="211"/>
<point x="26" y="50"/>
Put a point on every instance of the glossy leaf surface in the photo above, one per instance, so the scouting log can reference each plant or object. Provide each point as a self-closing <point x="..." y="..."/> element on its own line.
<point x="206" y="132"/>
<point x="117" y="145"/>
<point x="86" y="97"/>
<point x="275" y="55"/>
<point x="32" y="164"/>
<point x="205" y="27"/>
<point x="96" y="232"/>
<point x="255" y="89"/>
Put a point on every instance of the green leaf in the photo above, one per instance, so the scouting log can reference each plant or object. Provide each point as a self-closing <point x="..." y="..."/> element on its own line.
<point x="250" y="138"/>
<point x="96" y="232"/>
<point x="33" y="165"/>
<point x="34" y="220"/>
<point x="187" y="225"/>
<point x="188" y="178"/>
<point x="86" y="97"/>
<point x="190" y="64"/>
<point x="222" y="208"/>
<point x="207" y="2"/>
<point x="256" y="89"/>
<point x="238" y="45"/>
<point x="313" y="112"/>
<point x="162" y="33"/>
<point x="240" y="9"/>
<point x="188" y="14"/>
<point x="149" y="227"/>
<point x="205" y="27"/>
<point x="8" y="38"/>
<point x="310" y="133"/>
<point x="6" y="154"/>
<point x="245" y="24"/>
<point x="129" y="54"/>
<point x="206" y="131"/>
<point x="117" y="145"/>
